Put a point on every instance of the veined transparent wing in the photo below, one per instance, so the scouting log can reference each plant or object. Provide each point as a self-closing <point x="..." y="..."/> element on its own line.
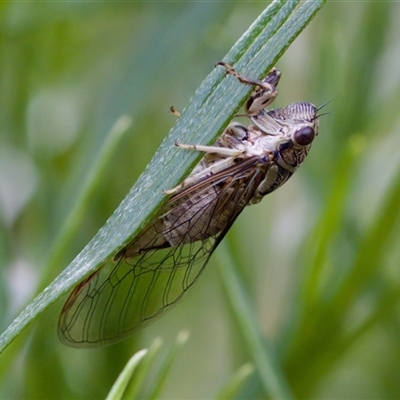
<point x="153" y="271"/>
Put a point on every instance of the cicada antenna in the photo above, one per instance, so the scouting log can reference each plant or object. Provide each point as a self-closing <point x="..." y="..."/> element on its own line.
<point x="322" y="106"/>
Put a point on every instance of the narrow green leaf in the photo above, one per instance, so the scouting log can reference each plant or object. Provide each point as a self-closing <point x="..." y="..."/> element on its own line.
<point x="132" y="380"/>
<point x="137" y="383"/>
<point x="93" y="181"/>
<point x="232" y="388"/>
<point x="272" y="377"/>
<point x="118" y="390"/>
<point x="329" y="223"/>
<point x="372" y="249"/>
<point x="159" y="380"/>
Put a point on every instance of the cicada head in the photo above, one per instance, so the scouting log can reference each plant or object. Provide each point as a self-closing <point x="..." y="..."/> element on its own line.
<point x="301" y="120"/>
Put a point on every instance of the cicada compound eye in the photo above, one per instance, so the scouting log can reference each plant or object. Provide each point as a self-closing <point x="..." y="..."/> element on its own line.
<point x="304" y="136"/>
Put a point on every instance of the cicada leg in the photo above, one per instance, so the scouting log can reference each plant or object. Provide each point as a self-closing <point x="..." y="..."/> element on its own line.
<point x="264" y="93"/>
<point x="225" y="162"/>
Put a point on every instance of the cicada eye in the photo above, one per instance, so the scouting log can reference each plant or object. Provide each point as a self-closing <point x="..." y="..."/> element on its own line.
<point x="304" y="136"/>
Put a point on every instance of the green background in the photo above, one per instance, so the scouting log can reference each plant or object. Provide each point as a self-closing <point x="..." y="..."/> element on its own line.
<point x="319" y="258"/>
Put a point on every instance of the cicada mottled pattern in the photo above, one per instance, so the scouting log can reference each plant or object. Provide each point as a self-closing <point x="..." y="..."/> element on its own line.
<point x="154" y="270"/>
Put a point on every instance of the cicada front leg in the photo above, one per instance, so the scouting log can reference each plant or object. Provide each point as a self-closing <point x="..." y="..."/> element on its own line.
<point x="265" y="90"/>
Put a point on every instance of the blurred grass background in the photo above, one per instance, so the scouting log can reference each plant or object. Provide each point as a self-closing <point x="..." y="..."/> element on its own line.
<point x="319" y="257"/>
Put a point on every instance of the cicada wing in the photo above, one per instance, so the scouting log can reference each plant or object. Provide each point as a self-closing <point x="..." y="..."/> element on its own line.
<point x="126" y="294"/>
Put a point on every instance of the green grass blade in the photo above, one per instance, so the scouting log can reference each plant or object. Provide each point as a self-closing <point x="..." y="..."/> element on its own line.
<point x="131" y="383"/>
<point x="93" y="181"/>
<point x="118" y="390"/>
<point x="271" y="376"/>
<point x="235" y="383"/>
<point x="160" y="379"/>
<point x="136" y="385"/>
<point x="371" y="251"/>
<point x="329" y="224"/>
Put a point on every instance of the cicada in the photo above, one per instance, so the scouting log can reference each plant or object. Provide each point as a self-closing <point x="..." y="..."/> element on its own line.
<point x="159" y="265"/>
